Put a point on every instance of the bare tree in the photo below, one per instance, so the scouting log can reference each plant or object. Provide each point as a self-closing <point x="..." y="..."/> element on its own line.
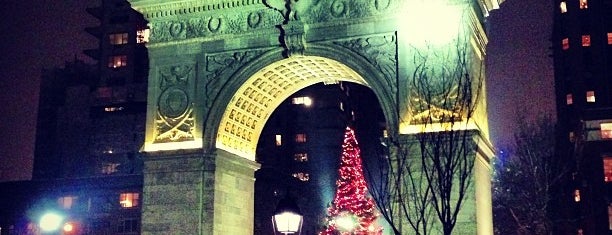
<point x="426" y="176"/>
<point x="524" y="177"/>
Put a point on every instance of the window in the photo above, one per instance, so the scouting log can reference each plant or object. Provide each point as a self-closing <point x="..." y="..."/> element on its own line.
<point x="112" y="109"/>
<point x="609" y="38"/>
<point x="142" y="36"/>
<point x="572" y="137"/>
<point x="563" y="7"/>
<point x="300" y="157"/>
<point x="300" y="138"/>
<point x="606" y="130"/>
<point x="278" y="140"/>
<point x="577" y="195"/>
<point x="568" y="99"/>
<point x="584" y="4"/>
<point x="109" y="167"/>
<point x="609" y="216"/>
<point x="128" y="226"/>
<point x="118" y="38"/>
<point x="305" y="100"/>
<point x="128" y="200"/>
<point x="565" y="43"/>
<point x="590" y="96"/>
<point x="66" y="202"/>
<point x="117" y="61"/>
<point x="586" y="40"/>
<point x="301" y="176"/>
<point x="607" y="167"/>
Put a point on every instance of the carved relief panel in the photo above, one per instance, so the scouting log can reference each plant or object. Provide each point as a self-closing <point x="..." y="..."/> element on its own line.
<point x="174" y="119"/>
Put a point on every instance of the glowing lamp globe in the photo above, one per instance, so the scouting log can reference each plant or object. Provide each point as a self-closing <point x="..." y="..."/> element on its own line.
<point x="50" y="222"/>
<point x="287" y="218"/>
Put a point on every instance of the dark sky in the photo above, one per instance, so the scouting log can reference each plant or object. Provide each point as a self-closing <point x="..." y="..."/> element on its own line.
<point x="37" y="34"/>
<point x="34" y="34"/>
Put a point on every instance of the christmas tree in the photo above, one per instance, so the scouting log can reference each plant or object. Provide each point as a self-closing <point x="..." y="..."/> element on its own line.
<point x="352" y="211"/>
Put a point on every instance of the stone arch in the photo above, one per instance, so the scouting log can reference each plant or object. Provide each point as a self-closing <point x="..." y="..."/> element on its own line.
<point x="270" y="80"/>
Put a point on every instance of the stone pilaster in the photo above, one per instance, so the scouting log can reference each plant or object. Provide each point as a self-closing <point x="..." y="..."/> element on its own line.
<point x="178" y="193"/>
<point x="234" y="194"/>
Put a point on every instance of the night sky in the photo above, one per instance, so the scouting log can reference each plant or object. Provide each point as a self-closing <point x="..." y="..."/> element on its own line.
<point x="37" y="34"/>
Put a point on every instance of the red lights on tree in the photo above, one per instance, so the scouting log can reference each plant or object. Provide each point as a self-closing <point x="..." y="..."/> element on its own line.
<point x="352" y="211"/>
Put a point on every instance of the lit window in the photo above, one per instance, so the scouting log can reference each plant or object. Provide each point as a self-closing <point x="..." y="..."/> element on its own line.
<point x="117" y="61"/>
<point x="586" y="40"/>
<point x="300" y="138"/>
<point x="66" y="202"/>
<point x="302" y="176"/>
<point x="590" y="96"/>
<point x="118" y="38"/>
<point x="607" y="167"/>
<point x="609" y="38"/>
<point x="606" y="130"/>
<point x="577" y="195"/>
<point x="112" y="109"/>
<point x="278" y="140"/>
<point x="563" y="7"/>
<point x="584" y="4"/>
<point x="572" y="138"/>
<point x="109" y="168"/>
<point x="142" y="36"/>
<point x="305" y="100"/>
<point x="300" y="157"/>
<point x="609" y="216"/>
<point x="565" y="43"/>
<point x="569" y="99"/>
<point x="128" y="200"/>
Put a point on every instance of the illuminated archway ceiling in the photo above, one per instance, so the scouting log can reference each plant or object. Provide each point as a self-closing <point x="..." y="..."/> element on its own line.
<point x="253" y="103"/>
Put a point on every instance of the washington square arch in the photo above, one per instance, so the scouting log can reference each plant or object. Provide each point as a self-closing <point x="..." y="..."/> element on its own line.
<point x="219" y="68"/>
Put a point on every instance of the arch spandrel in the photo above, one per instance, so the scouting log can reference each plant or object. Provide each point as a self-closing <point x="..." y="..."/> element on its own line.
<point x="254" y="102"/>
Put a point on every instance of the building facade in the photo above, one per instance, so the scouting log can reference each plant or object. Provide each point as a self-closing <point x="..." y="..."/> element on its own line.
<point x="582" y="50"/>
<point x="90" y="128"/>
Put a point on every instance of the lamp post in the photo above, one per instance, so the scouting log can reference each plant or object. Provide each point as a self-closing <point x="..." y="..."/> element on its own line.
<point x="287" y="218"/>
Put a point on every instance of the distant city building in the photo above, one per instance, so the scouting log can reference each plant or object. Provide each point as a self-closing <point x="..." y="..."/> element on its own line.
<point x="300" y="147"/>
<point x="582" y="51"/>
<point x="90" y="128"/>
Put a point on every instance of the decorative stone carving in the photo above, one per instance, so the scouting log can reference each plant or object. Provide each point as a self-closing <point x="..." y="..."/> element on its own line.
<point x="338" y="8"/>
<point x="380" y="51"/>
<point x="174" y="119"/>
<point x="201" y="26"/>
<point x="223" y="65"/>
<point x="293" y="38"/>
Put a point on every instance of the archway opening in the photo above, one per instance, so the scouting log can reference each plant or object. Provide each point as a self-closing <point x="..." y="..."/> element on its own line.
<point x="300" y="147"/>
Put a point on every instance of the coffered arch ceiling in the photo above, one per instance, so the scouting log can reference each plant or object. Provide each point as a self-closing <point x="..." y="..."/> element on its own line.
<point x="254" y="102"/>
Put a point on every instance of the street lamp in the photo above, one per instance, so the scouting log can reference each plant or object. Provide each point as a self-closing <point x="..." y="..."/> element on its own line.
<point x="50" y="222"/>
<point x="287" y="218"/>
